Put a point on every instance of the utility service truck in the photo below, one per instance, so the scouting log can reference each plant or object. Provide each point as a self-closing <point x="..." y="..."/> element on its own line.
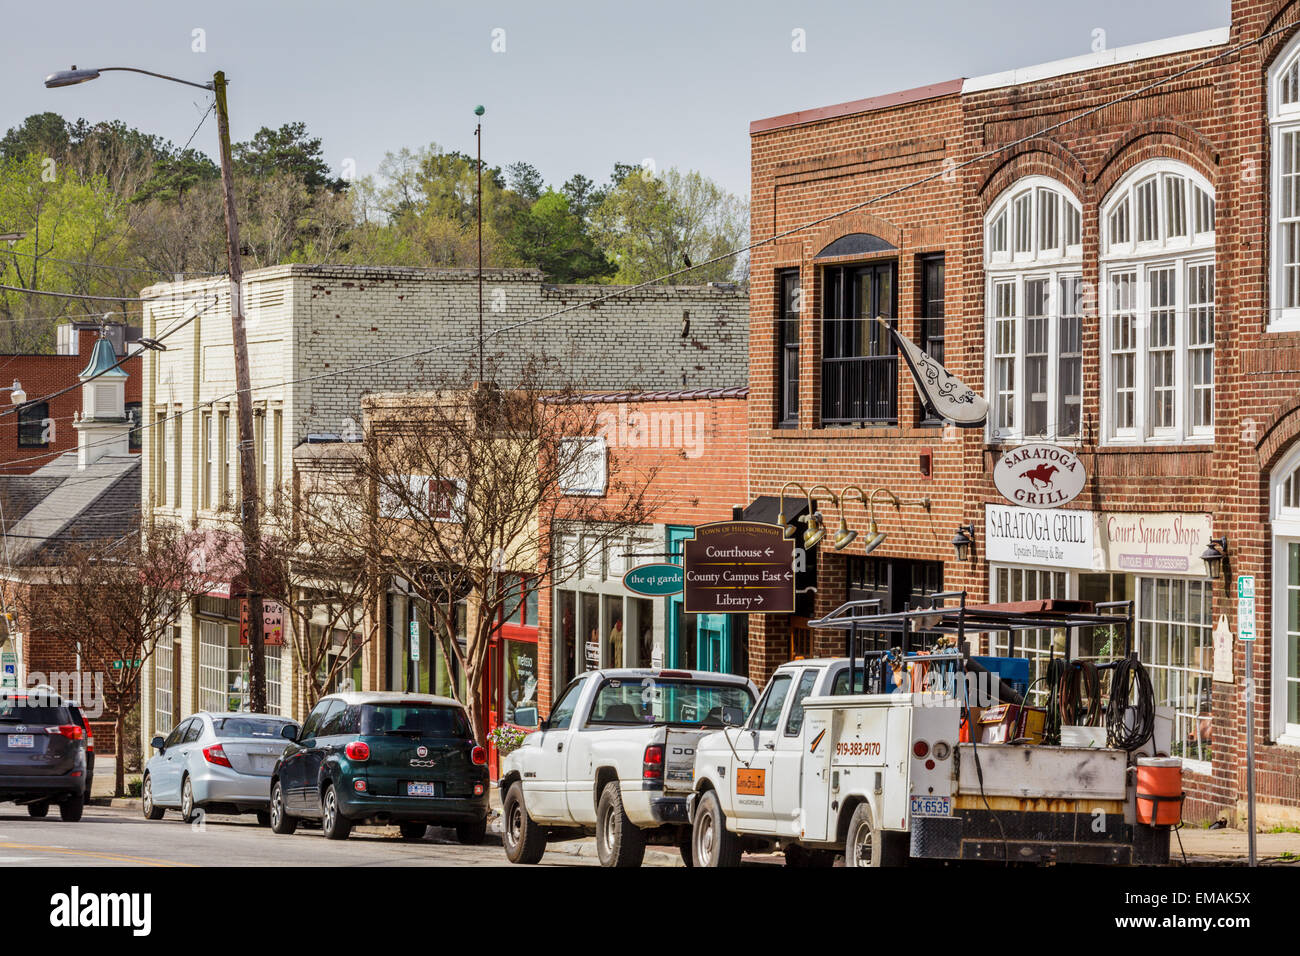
<point x="902" y="754"/>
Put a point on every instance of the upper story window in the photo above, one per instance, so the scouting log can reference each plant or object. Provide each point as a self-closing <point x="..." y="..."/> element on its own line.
<point x="859" y="362"/>
<point x="1284" y="121"/>
<point x="34" y="425"/>
<point x="1157" y="302"/>
<point x="931" y="319"/>
<point x="1036" y="220"/>
<point x="790" y="305"/>
<point x="1033" y="262"/>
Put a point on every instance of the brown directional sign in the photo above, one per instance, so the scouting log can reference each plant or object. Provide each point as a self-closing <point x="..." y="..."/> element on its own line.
<point x="738" y="567"/>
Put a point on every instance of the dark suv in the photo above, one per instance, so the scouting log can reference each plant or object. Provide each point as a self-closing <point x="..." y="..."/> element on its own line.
<point x="42" y="753"/>
<point x="385" y="758"/>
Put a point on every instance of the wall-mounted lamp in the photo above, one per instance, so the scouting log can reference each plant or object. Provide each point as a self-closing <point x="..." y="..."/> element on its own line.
<point x="816" y="529"/>
<point x="844" y="537"/>
<point x="788" y="528"/>
<point x="16" y="394"/>
<point x="1215" y="557"/>
<point x="963" y="540"/>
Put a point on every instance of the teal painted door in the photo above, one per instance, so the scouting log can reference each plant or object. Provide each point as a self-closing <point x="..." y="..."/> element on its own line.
<point x="695" y="641"/>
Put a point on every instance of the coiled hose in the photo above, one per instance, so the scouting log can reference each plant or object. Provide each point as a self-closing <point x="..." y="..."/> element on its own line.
<point x="1079" y="680"/>
<point x="1130" y="685"/>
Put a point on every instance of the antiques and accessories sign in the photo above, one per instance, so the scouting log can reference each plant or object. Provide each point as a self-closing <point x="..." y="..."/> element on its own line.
<point x="1162" y="541"/>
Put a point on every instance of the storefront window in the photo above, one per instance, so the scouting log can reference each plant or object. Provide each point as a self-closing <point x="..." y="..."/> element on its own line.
<point x="1039" y="645"/>
<point x="641" y="618"/>
<point x="520" y="676"/>
<point x="589" y="627"/>
<point x="566" y="637"/>
<point x="613" y="650"/>
<point x="1176" y="644"/>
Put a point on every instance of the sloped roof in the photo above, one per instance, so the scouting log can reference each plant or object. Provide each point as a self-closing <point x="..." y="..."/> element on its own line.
<point x="60" y="504"/>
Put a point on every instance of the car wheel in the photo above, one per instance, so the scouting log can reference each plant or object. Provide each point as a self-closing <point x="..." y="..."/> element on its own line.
<point x="187" y="801"/>
<point x="281" y="822"/>
<point x="263" y="818"/>
<point x="413" y="831"/>
<point x="38" y="810"/>
<point x="863" y="845"/>
<point x="333" y="823"/>
<point x="619" y="842"/>
<point x="70" y="809"/>
<point x="524" y="840"/>
<point x="151" y="812"/>
<point x="472" y="834"/>
<point x="712" y="844"/>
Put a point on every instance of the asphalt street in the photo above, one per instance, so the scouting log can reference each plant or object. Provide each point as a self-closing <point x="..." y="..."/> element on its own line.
<point x="122" y="837"/>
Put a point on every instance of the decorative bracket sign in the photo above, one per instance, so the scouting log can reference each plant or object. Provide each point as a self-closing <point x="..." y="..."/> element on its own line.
<point x="272" y="623"/>
<point x="1039" y="475"/>
<point x="738" y="567"/>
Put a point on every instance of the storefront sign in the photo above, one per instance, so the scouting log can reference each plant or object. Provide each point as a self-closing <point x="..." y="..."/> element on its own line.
<point x="1039" y="476"/>
<point x="593" y="653"/>
<point x="1046" y="538"/>
<point x="272" y="623"/>
<point x="1159" y="541"/>
<point x="738" y="567"/>
<point x="1245" y="607"/>
<point x="8" y="669"/>
<point x="655" y="580"/>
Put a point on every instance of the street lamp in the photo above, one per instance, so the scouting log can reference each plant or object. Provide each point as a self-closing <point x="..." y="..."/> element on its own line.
<point x="243" y="383"/>
<point x="16" y="394"/>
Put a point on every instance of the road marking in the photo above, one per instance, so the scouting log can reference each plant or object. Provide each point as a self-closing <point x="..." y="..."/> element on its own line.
<point x="146" y="861"/>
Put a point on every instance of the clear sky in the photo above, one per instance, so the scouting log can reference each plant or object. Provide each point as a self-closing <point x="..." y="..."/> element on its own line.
<point x="576" y="86"/>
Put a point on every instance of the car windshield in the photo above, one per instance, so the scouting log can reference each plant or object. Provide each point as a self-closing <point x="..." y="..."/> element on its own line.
<point x="653" y="700"/>
<point x="414" y="720"/>
<point x="254" y="728"/>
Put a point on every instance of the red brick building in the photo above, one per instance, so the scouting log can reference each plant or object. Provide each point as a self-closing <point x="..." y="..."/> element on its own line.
<point x="42" y="430"/>
<point x="1108" y="249"/>
<point x="687" y="448"/>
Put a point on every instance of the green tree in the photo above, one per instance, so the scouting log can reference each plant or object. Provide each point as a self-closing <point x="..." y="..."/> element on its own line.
<point x="550" y="236"/>
<point x="287" y="150"/>
<point x="651" y="225"/>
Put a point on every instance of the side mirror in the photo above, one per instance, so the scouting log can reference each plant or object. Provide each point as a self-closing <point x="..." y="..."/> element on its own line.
<point x="526" y="717"/>
<point x="289" y="732"/>
<point x="732" y="716"/>
<point x="157" y="744"/>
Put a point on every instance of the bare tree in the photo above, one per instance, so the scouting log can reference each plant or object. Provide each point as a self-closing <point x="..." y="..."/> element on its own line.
<point x="112" y="603"/>
<point x="467" y="485"/>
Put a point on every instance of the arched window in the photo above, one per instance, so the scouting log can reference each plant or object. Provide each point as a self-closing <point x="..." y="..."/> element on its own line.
<point x="1284" y="488"/>
<point x="1284" y="122"/>
<point x="1033" y="255"/>
<point x="1157" y="272"/>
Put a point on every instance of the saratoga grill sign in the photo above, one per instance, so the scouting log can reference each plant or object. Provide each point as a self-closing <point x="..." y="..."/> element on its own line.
<point x="1039" y="476"/>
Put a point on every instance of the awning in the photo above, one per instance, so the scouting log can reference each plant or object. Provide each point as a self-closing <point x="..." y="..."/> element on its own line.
<point x="765" y="508"/>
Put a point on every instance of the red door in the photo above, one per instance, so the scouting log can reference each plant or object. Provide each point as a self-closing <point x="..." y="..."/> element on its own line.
<point x="512" y="662"/>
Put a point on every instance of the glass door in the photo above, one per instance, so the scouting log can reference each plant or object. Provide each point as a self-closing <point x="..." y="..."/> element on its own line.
<point x="695" y="641"/>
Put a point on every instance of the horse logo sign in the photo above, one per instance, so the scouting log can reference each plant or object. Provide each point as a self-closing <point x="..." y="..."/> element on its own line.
<point x="1039" y="476"/>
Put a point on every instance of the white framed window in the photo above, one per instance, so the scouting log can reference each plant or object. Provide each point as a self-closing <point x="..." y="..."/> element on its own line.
<point x="209" y="461"/>
<point x="584" y="466"/>
<point x="1284" y="125"/>
<point x="1284" y="511"/>
<point x="1157" y="299"/>
<point x="1035" y="312"/>
<point x="1175" y="642"/>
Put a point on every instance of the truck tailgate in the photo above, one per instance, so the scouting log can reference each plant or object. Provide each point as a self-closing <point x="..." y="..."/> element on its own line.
<point x="679" y="758"/>
<point x="1043" y="772"/>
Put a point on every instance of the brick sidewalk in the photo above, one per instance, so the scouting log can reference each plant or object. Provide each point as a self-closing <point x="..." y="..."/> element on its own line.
<point x="1227" y="847"/>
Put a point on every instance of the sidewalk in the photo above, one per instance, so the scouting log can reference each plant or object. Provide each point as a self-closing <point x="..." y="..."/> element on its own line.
<point x="1227" y="847"/>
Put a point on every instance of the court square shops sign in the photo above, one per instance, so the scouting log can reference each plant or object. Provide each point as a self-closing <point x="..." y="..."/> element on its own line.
<point x="738" y="567"/>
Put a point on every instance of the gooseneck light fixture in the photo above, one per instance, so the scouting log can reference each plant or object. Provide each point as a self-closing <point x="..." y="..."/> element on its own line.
<point x="788" y="528"/>
<point x="843" y="536"/>
<point x="816" y="529"/>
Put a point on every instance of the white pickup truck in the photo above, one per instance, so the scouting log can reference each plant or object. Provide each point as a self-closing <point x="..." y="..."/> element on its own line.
<point x="881" y="778"/>
<point x="617" y="757"/>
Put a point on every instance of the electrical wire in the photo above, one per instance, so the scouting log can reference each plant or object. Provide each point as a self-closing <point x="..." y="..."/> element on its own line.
<point x="1080" y="679"/>
<point x="103" y="265"/>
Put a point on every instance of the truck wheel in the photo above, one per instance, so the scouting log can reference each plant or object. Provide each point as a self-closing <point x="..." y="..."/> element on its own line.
<point x="711" y="842"/>
<point x="524" y="840"/>
<point x="619" y="842"/>
<point x="864" y="845"/>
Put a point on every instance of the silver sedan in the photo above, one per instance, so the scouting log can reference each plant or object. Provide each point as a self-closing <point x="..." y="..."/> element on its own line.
<point x="218" y="763"/>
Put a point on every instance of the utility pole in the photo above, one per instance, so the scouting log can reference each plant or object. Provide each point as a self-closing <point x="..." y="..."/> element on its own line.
<point x="248" y="499"/>
<point x="478" y="136"/>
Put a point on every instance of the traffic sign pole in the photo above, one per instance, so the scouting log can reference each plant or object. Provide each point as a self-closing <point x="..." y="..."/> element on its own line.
<point x="1246" y="633"/>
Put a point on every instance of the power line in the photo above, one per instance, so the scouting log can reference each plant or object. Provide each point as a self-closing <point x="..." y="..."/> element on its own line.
<point x="100" y="265"/>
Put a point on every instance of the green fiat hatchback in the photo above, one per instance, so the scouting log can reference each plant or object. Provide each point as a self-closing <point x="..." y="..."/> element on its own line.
<point x="382" y="758"/>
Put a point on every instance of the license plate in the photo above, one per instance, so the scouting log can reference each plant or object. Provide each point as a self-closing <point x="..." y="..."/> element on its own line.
<point x="418" y="789"/>
<point x="21" y="742"/>
<point x="931" y="806"/>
